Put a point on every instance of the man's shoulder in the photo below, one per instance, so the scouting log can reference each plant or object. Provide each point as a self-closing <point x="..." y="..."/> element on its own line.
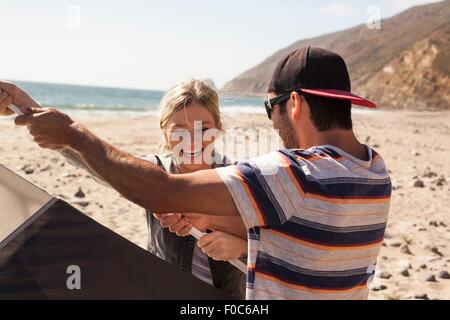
<point x="282" y="157"/>
<point x="267" y="164"/>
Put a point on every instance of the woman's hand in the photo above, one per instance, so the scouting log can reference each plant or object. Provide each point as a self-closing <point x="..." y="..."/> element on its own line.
<point x="223" y="246"/>
<point x="5" y="102"/>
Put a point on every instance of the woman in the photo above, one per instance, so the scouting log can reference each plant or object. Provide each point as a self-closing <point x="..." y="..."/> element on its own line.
<point x="187" y="112"/>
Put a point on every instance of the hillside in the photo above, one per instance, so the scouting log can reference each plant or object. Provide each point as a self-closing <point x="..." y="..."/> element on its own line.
<point x="406" y="64"/>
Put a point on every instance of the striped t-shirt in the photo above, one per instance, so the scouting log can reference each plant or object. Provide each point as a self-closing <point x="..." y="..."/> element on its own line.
<point x="316" y="221"/>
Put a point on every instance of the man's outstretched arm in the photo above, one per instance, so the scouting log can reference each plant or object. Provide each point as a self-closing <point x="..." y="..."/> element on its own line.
<point x="137" y="180"/>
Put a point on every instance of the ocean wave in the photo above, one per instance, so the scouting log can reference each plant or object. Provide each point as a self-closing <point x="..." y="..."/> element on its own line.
<point x="96" y="107"/>
<point x="137" y="112"/>
<point x="119" y="109"/>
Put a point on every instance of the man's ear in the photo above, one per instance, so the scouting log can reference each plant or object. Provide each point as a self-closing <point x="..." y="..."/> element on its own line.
<point x="298" y="105"/>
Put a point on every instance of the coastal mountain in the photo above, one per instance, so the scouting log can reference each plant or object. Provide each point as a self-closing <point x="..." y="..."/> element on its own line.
<point x="404" y="65"/>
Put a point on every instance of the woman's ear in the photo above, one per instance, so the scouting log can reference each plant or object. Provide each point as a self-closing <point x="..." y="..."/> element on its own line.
<point x="298" y="105"/>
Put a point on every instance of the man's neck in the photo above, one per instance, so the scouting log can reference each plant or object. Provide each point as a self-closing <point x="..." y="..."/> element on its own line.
<point x="342" y="139"/>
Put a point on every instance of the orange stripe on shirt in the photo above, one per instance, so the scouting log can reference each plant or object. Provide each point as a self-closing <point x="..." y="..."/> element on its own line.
<point x="349" y="200"/>
<point x="303" y="288"/>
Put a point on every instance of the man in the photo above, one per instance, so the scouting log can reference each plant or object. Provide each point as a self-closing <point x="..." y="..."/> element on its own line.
<point x="316" y="216"/>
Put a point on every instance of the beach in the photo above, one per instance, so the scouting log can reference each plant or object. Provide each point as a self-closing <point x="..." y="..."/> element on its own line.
<point x="415" y="258"/>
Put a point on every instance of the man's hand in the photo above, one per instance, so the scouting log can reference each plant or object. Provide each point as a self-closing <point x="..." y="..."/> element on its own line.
<point x="12" y="94"/>
<point x="222" y="246"/>
<point x="181" y="224"/>
<point x="175" y="223"/>
<point x="50" y="128"/>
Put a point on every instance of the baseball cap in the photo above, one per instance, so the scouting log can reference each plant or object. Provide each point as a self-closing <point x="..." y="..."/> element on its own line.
<point x="317" y="72"/>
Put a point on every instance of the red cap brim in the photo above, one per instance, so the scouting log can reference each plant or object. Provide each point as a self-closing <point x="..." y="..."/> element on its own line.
<point x="342" y="95"/>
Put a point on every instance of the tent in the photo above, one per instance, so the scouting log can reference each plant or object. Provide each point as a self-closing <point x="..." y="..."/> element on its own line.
<point x="50" y="250"/>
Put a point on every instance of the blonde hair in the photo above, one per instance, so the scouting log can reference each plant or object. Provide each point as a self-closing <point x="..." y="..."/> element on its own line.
<point x="180" y="97"/>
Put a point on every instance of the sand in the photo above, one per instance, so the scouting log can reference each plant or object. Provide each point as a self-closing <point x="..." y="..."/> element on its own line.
<point x="415" y="146"/>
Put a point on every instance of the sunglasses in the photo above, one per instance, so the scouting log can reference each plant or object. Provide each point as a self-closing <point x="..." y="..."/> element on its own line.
<point x="271" y="103"/>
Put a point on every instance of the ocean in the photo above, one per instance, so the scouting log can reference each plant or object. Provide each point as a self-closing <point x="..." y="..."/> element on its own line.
<point x="88" y="101"/>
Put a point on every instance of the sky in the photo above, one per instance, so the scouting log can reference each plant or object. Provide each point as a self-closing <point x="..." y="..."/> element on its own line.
<point x="151" y="44"/>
